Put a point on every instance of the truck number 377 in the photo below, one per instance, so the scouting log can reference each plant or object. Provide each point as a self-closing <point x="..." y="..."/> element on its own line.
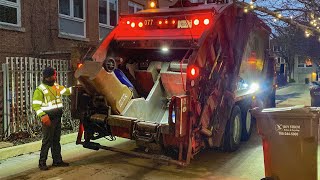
<point x="148" y="22"/>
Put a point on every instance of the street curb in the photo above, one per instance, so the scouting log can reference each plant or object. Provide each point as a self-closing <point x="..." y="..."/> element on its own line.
<point x="13" y="151"/>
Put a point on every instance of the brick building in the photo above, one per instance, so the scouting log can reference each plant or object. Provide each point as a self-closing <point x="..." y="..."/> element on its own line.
<point x="55" y="28"/>
<point x="48" y="29"/>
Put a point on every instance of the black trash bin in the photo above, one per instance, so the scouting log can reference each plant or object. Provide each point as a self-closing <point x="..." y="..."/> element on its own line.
<point x="290" y="142"/>
<point x="315" y="94"/>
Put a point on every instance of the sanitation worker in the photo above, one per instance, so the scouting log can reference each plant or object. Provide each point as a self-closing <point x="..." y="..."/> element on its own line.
<point x="47" y="103"/>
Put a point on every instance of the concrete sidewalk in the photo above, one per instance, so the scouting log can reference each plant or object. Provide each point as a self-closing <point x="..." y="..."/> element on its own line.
<point x="18" y="150"/>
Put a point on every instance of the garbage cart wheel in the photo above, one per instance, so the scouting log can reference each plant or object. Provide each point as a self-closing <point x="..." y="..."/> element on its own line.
<point x="232" y="136"/>
<point x="109" y="64"/>
<point x="247" y="124"/>
<point x="268" y="178"/>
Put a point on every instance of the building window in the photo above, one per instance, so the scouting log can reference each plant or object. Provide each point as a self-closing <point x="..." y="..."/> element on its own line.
<point x="108" y="16"/>
<point x="277" y="48"/>
<point x="308" y="63"/>
<point x="281" y="60"/>
<point x="134" y="7"/>
<point x="304" y="63"/>
<point x="10" y="12"/>
<point x="72" y="18"/>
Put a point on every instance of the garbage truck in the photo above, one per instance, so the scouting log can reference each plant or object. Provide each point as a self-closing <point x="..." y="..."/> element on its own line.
<point x="176" y="80"/>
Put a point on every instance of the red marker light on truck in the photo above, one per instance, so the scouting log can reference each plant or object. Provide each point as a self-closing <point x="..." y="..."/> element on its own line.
<point x="140" y="24"/>
<point x="79" y="65"/>
<point x="160" y="22"/>
<point x="128" y="22"/>
<point x="173" y="22"/>
<point x="196" y="22"/>
<point x="133" y="24"/>
<point x="206" y="21"/>
<point x="193" y="72"/>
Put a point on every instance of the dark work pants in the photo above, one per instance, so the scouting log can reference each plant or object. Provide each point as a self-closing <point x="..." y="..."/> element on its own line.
<point x="51" y="139"/>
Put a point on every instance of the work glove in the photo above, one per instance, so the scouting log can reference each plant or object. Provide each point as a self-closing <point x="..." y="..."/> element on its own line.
<point x="46" y="120"/>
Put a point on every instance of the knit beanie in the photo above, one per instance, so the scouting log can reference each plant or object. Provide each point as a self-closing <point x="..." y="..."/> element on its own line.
<point x="48" y="72"/>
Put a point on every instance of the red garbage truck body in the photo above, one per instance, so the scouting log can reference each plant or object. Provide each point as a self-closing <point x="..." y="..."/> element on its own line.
<point x="177" y="80"/>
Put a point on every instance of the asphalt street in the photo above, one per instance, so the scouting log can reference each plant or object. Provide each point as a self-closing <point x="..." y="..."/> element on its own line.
<point x="246" y="163"/>
<point x="296" y="94"/>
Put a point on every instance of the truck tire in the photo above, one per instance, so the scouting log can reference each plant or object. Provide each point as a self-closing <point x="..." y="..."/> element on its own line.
<point x="247" y="124"/>
<point x="232" y="136"/>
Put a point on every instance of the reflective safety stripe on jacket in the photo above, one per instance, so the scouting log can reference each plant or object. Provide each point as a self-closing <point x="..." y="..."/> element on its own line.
<point x="47" y="98"/>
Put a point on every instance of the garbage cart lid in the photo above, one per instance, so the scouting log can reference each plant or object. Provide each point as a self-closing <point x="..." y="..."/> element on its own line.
<point x="294" y="112"/>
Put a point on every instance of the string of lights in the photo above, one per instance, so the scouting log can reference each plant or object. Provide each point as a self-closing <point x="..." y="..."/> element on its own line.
<point x="312" y="30"/>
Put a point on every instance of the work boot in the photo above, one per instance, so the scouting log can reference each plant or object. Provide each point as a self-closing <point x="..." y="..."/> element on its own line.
<point x="60" y="164"/>
<point x="43" y="166"/>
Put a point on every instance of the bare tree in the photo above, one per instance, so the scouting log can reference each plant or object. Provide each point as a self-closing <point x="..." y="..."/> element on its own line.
<point x="302" y="14"/>
<point x="295" y="24"/>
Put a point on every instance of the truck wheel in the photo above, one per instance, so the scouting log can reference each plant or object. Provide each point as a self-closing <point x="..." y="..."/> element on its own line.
<point x="232" y="136"/>
<point x="247" y="122"/>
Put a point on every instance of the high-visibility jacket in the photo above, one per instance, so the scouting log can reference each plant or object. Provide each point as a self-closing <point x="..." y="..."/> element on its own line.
<point x="48" y="98"/>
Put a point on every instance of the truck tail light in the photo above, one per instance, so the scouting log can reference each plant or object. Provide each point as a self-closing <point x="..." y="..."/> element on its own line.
<point x="133" y="24"/>
<point x="193" y="72"/>
<point x="140" y="24"/>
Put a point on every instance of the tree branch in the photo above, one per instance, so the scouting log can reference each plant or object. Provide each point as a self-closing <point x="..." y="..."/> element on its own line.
<point x="290" y="21"/>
